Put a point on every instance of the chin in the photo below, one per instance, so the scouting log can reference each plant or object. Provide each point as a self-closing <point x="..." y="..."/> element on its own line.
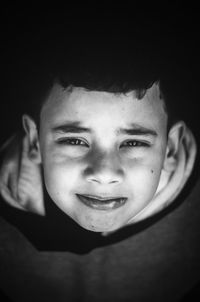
<point x="98" y="226"/>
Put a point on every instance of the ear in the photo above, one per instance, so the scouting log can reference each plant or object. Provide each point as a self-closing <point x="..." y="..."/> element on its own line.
<point x="175" y="136"/>
<point x="33" y="142"/>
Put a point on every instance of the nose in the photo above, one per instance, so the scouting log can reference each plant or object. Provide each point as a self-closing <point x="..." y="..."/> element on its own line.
<point x="104" y="169"/>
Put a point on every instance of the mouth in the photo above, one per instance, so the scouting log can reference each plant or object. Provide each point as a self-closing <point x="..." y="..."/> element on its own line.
<point x="102" y="203"/>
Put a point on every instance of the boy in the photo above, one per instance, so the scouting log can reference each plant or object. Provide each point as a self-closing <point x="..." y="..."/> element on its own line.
<point x="101" y="162"/>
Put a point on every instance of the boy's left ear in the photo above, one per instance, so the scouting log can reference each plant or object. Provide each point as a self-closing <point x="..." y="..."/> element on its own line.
<point x="30" y="128"/>
<point x="175" y="136"/>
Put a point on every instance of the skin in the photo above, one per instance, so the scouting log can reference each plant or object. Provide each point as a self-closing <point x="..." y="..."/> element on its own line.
<point x="105" y="161"/>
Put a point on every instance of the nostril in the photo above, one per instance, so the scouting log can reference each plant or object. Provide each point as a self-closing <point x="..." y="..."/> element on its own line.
<point x="103" y="175"/>
<point x="93" y="180"/>
<point x="102" y="181"/>
<point x="103" y="178"/>
<point x="113" y="181"/>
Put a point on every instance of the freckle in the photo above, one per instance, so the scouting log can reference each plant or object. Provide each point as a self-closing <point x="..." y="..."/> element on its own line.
<point x="152" y="171"/>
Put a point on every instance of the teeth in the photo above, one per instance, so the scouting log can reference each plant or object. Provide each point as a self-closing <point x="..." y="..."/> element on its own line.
<point x="102" y="204"/>
<point x="104" y="199"/>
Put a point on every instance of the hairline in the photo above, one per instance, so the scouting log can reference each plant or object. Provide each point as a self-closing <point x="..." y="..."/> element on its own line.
<point x="140" y="93"/>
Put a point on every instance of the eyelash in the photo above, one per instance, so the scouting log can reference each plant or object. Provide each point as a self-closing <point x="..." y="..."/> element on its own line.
<point x="72" y="141"/>
<point x="135" y="143"/>
<point x="80" y="142"/>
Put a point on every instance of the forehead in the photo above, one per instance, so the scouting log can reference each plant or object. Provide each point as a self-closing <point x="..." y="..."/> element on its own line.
<point x="92" y="107"/>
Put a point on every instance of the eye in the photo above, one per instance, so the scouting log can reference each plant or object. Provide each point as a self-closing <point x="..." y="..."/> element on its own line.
<point x="135" y="143"/>
<point x="72" y="142"/>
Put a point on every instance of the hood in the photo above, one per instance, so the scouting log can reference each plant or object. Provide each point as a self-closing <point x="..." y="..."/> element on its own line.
<point x="21" y="183"/>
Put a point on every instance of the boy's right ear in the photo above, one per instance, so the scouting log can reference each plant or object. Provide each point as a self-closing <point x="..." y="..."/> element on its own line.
<point x="33" y="150"/>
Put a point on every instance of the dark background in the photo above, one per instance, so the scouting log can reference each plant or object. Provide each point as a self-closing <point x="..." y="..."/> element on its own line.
<point x="173" y="27"/>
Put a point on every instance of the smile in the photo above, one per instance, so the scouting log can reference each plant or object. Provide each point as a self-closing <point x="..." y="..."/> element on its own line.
<point x="100" y="203"/>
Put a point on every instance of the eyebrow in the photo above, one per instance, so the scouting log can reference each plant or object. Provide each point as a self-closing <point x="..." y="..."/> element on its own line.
<point x="71" y="127"/>
<point x="75" y="127"/>
<point x="137" y="129"/>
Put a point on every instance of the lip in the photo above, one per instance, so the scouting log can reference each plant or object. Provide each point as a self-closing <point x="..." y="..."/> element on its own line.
<point x="102" y="203"/>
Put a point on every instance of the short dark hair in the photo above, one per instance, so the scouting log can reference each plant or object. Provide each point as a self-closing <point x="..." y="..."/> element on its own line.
<point x="103" y="64"/>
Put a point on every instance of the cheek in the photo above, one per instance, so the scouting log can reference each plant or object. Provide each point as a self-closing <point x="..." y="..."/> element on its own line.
<point x="143" y="178"/>
<point x="60" y="178"/>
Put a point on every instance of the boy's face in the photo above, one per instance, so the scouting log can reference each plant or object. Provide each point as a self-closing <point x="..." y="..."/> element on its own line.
<point x="102" y="153"/>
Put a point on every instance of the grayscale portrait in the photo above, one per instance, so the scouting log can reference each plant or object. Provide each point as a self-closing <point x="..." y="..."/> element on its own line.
<point x="99" y="156"/>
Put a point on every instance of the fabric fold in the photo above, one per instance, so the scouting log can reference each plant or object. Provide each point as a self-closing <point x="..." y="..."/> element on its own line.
<point x="172" y="183"/>
<point x="20" y="178"/>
